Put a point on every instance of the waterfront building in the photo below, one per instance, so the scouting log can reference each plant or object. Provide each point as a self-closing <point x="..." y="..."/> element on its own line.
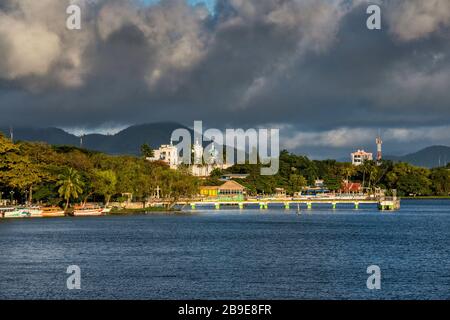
<point x="351" y="187"/>
<point x="209" y="191"/>
<point x="319" y="188"/>
<point x="280" y="193"/>
<point x="360" y="156"/>
<point x="230" y="190"/>
<point x="313" y="191"/>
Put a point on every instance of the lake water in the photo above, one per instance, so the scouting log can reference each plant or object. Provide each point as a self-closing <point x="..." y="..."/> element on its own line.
<point x="232" y="254"/>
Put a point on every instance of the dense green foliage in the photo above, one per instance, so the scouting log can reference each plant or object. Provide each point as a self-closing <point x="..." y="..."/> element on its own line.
<point x="60" y="175"/>
<point x="297" y="171"/>
<point x="64" y="175"/>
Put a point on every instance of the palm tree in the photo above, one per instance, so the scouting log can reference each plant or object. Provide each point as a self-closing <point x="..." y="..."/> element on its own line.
<point x="348" y="170"/>
<point x="70" y="185"/>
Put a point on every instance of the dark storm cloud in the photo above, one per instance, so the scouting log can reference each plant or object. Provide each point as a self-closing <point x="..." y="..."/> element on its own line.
<point x="308" y="66"/>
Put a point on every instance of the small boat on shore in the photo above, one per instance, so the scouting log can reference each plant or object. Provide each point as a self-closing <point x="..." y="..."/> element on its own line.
<point x="34" y="212"/>
<point x="52" y="212"/>
<point x="89" y="211"/>
<point x="14" y="212"/>
<point x="106" y="210"/>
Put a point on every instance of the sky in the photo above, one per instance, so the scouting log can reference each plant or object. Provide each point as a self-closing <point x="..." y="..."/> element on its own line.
<point x="209" y="3"/>
<point x="308" y="67"/>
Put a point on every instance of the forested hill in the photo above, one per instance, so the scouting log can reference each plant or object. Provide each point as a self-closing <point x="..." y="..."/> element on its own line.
<point x="127" y="141"/>
<point x="431" y="157"/>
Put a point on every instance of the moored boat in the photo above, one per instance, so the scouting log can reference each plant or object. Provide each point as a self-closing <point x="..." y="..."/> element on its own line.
<point x="14" y="213"/>
<point x="52" y="212"/>
<point x="106" y="210"/>
<point x="33" y="212"/>
<point x="87" y="211"/>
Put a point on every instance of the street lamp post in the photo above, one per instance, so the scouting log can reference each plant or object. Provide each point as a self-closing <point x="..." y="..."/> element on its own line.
<point x="12" y="194"/>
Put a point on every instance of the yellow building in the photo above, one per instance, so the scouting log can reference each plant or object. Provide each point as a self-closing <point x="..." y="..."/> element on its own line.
<point x="230" y="190"/>
<point x="210" y="192"/>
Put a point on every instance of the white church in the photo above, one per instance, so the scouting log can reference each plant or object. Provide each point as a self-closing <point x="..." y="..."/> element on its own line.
<point x="200" y="168"/>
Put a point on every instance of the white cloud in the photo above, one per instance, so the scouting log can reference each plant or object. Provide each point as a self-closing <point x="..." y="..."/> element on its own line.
<point x="415" y="19"/>
<point x="37" y="46"/>
<point x="30" y="49"/>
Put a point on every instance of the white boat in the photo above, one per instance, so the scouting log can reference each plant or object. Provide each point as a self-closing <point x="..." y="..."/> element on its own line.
<point x="34" y="212"/>
<point x="87" y="211"/>
<point x="52" y="212"/>
<point x="14" y="213"/>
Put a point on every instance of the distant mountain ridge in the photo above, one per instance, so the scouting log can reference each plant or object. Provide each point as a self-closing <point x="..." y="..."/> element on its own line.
<point x="127" y="141"/>
<point x="429" y="157"/>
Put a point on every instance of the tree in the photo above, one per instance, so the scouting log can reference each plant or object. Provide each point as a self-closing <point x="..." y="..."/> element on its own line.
<point x="333" y="183"/>
<point x="176" y="185"/>
<point x="347" y="170"/>
<point x="408" y="179"/>
<point x="104" y="183"/>
<point x="17" y="171"/>
<point x="70" y="185"/>
<point x="147" y="151"/>
<point x="440" y="181"/>
<point x="216" y="173"/>
<point x="296" y="183"/>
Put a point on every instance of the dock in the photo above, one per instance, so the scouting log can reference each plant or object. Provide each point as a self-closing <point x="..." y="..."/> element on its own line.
<point x="383" y="204"/>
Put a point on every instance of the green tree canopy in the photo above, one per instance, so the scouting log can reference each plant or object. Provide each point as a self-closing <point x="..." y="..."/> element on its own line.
<point x="147" y="151"/>
<point x="70" y="185"/>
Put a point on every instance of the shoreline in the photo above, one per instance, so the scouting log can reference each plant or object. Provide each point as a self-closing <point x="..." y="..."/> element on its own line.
<point x="181" y="211"/>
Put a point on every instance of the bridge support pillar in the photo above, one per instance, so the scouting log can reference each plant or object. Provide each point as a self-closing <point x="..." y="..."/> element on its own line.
<point x="217" y="206"/>
<point x="193" y="206"/>
<point x="286" y="206"/>
<point x="241" y="206"/>
<point x="309" y="205"/>
<point x="334" y="205"/>
<point x="356" y="205"/>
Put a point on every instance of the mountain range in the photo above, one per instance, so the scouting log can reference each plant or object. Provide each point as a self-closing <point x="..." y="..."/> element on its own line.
<point x="129" y="141"/>
<point x="430" y="157"/>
